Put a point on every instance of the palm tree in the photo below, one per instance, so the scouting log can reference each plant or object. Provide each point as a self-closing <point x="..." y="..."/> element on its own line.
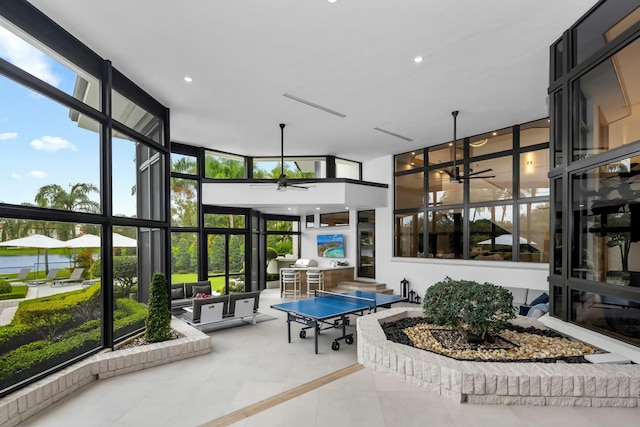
<point x="77" y="199"/>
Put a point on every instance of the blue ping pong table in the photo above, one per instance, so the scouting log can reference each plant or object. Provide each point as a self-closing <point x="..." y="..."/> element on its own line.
<point x="332" y="310"/>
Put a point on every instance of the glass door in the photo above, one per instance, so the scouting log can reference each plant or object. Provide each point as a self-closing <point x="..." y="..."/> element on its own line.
<point x="226" y="262"/>
<point x="366" y="244"/>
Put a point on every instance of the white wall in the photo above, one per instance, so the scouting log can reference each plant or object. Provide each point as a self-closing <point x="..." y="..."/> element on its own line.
<point x="309" y="248"/>
<point x="421" y="273"/>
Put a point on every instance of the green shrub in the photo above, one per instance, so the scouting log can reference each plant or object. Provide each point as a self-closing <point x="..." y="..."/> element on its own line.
<point x="5" y="287"/>
<point x="477" y="310"/>
<point x="159" y="320"/>
<point x="47" y="317"/>
<point x="271" y="254"/>
<point x="125" y="273"/>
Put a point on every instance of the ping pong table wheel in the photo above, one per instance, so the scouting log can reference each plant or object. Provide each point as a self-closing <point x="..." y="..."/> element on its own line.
<point x="303" y="334"/>
<point x="335" y="346"/>
<point x="348" y="340"/>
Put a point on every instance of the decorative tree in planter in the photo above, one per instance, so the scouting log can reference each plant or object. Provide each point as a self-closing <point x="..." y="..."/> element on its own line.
<point x="476" y="310"/>
<point x="159" y="320"/>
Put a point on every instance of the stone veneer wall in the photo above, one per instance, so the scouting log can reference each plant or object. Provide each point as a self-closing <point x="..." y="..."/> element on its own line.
<point x="553" y="384"/>
<point x="17" y="407"/>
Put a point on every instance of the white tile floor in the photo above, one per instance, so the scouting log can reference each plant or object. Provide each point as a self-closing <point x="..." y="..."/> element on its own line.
<point x="253" y="362"/>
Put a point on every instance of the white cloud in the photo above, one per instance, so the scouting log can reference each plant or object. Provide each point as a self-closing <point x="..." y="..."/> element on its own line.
<point x="16" y="176"/>
<point x="25" y="56"/>
<point x="37" y="174"/>
<point x="52" y="143"/>
<point x="8" y="135"/>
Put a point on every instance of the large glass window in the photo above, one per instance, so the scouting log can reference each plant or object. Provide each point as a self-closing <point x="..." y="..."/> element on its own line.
<point x="604" y="99"/>
<point x="606" y="244"/>
<point x="487" y="176"/>
<point x="605" y="24"/>
<point x="223" y="166"/>
<point x="410" y="191"/>
<point x="184" y="257"/>
<point x="484" y="188"/>
<point x="492" y="142"/>
<point x="445" y="234"/>
<point x="491" y="233"/>
<point x="47" y="159"/>
<point x="181" y="163"/>
<point x="334" y="219"/>
<point x="534" y="169"/>
<point x="294" y="167"/>
<point x="184" y="202"/>
<point x="410" y="160"/>
<point x="347" y="169"/>
<point x="442" y="191"/>
<point x="534" y="232"/>
<point x="21" y="50"/>
<point x="534" y="133"/>
<point x="409" y="235"/>
<point x="137" y="118"/>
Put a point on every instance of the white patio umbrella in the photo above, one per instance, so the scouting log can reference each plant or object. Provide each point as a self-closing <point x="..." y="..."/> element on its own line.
<point x="505" y="239"/>
<point x="38" y="241"/>
<point x="93" y="241"/>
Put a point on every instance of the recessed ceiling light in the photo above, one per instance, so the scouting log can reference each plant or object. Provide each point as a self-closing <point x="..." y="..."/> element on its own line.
<point x="417" y="59"/>
<point x="332" y="1"/>
<point x="289" y="208"/>
<point x="317" y="209"/>
<point x="188" y="79"/>
<point x="346" y="207"/>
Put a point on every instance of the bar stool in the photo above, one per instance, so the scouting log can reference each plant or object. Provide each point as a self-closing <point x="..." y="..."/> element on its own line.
<point x="289" y="283"/>
<point x="315" y="281"/>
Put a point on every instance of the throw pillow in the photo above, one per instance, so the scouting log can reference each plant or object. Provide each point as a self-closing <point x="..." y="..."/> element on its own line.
<point x="206" y="289"/>
<point x="542" y="299"/>
<point x="177" y="293"/>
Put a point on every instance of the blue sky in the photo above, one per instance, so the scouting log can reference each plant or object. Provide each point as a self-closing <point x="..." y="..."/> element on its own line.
<point x="41" y="145"/>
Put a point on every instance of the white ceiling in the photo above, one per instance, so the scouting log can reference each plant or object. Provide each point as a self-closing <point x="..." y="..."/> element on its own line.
<point x="489" y="59"/>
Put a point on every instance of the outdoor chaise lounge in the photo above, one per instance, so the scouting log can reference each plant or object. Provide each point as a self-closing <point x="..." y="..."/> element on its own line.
<point x="22" y="275"/>
<point x="53" y="273"/>
<point x="76" y="277"/>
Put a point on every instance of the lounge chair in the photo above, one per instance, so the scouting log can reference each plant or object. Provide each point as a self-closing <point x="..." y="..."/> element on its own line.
<point x="22" y="275"/>
<point x="53" y="273"/>
<point x="76" y="277"/>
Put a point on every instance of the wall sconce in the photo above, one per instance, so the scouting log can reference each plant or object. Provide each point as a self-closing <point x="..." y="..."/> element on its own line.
<point x="529" y="163"/>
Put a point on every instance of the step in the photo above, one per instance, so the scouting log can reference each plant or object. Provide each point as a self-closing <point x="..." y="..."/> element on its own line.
<point x="363" y="286"/>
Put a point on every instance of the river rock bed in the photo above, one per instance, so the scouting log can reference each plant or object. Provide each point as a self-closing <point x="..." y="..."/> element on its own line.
<point x="514" y="344"/>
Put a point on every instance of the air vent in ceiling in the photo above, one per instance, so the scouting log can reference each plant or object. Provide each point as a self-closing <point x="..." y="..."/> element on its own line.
<point x="393" y="134"/>
<point x="314" y="105"/>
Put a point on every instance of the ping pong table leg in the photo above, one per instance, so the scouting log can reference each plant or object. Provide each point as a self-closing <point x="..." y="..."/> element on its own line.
<point x="317" y="332"/>
<point x="289" y="327"/>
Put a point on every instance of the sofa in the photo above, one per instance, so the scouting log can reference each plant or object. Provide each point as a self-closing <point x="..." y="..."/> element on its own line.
<point x="182" y="294"/>
<point x="205" y="311"/>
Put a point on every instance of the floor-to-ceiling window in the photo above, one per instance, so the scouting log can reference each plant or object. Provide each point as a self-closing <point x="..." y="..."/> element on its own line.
<point x="84" y="154"/>
<point x="595" y="273"/>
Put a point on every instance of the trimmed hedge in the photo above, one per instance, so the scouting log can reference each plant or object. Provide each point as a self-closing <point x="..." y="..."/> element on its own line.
<point x="17" y="292"/>
<point x="36" y="357"/>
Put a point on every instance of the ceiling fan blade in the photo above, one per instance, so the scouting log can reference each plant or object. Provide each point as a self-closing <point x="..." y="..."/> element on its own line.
<point x="297" y="187"/>
<point x="479" y="172"/>
<point x="478" y="177"/>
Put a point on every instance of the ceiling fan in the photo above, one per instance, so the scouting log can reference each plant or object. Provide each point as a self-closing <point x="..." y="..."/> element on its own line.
<point x="454" y="173"/>
<point x="282" y="183"/>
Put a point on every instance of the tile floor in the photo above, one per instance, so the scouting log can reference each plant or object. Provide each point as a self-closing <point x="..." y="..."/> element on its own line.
<point x="253" y="362"/>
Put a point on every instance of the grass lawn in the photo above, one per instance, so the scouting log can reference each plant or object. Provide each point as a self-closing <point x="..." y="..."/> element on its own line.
<point x="217" y="283"/>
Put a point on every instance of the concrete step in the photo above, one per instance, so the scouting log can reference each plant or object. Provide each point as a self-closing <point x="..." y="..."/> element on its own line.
<point x="357" y="285"/>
